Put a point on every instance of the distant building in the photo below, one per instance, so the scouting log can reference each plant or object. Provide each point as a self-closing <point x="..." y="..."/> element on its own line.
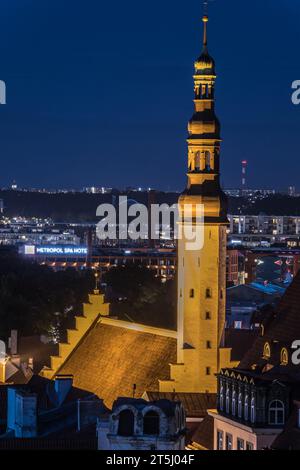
<point x="136" y="424"/>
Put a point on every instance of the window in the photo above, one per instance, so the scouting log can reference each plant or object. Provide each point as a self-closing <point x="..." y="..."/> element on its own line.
<point x="151" y="423"/>
<point x="228" y="442"/>
<point x="249" y="446"/>
<point x="233" y="403"/>
<point x="240" y="406"/>
<point x="227" y="400"/>
<point x="284" y="357"/>
<point x="276" y="412"/>
<point x="126" y="423"/>
<point x="208" y="371"/>
<point x="207" y="161"/>
<point x="253" y="411"/>
<point x="208" y="344"/>
<point x="207" y="316"/>
<point x="267" y="351"/>
<point x="219" y="440"/>
<point x="222" y="398"/>
<point x="246" y="408"/>
<point x="240" y="444"/>
<point x="208" y="293"/>
<point x="192" y="293"/>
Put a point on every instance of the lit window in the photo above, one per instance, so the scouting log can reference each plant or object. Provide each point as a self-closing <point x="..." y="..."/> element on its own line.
<point x="219" y="440"/>
<point x="240" y="444"/>
<point x="222" y="398"/>
<point x="246" y="408"/>
<point x="240" y="406"/>
<point x="227" y="400"/>
<point x="276" y="412"/>
<point x="228" y="442"/>
<point x="233" y="403"/>
<point x="253" y="411"/>
<point x="267" y="351"/>
<point x="284" y="357"/>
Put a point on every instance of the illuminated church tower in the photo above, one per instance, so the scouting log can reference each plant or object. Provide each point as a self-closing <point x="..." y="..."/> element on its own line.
<point x="202" y="272"/>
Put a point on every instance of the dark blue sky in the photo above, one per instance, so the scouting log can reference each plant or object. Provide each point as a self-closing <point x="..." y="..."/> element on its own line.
<point x="99" y="93"/>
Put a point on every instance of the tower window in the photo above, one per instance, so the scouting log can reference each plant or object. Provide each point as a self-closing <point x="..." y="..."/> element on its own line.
<point x="207" y="316"/>
<point x="208" y="371"/>
<point x="192" y="293"/>
<point x="208" y="294"/>
<point x="208" y="344"/>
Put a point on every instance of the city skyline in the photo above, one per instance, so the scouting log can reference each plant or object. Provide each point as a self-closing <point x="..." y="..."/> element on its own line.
<point x="83" y="95"/>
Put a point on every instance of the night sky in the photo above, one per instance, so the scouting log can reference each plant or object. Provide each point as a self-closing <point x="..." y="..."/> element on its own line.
<point x="99" y="93"/>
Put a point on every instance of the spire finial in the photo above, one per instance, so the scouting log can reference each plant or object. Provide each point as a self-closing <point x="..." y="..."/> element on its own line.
<point x="205" y="21"/>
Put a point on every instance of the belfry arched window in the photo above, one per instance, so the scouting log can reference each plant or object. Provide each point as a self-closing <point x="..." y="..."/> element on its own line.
<point x="207" y="161"/>
<point x="276" y="412"/>
<point x="197" y="161"/>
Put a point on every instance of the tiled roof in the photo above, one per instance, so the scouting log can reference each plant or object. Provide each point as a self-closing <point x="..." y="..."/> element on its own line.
<point x="111" y="359"/>
<point x="203" y="437"/>
<point x="282" y="329"/>
<point x="195" y="404"/>
<point x="240" y="340"/>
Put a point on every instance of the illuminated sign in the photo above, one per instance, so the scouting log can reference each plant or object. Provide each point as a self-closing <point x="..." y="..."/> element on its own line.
<point x="55" y="250"/>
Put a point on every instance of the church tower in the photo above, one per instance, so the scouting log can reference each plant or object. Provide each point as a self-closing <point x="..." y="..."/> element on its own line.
<point x="202" y="272"/>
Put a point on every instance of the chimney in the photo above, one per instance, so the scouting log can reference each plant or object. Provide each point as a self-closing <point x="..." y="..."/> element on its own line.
<point x="13" y="342"/>
<point x="3" y="360"/>
<point x="62" y="386"/>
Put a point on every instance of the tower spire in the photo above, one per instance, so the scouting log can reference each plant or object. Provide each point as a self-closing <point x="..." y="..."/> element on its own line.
<point x="205" y="21"/>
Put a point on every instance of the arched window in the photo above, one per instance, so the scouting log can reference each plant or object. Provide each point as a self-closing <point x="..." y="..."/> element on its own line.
<point x="240" y="405"/>
<point x="151" y="423"/>
<point x="222" y="397"/>
<point x="253" y="411"/>
<point x="233" y="403"/>
<point x="197" y="161"/>
<point x="227" y="400"/>
<point x="207" y="161"/>
<point x="284" y="357"/>
<point x="126" y="423"/>
<point x="267" y="351"/>
<point x="246" y="408"/>
<point x="276" y="412"/>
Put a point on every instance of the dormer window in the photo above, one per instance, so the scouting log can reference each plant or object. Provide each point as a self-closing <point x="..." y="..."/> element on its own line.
<point x="284" y="357"/>
<point x="267" y="351"/>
